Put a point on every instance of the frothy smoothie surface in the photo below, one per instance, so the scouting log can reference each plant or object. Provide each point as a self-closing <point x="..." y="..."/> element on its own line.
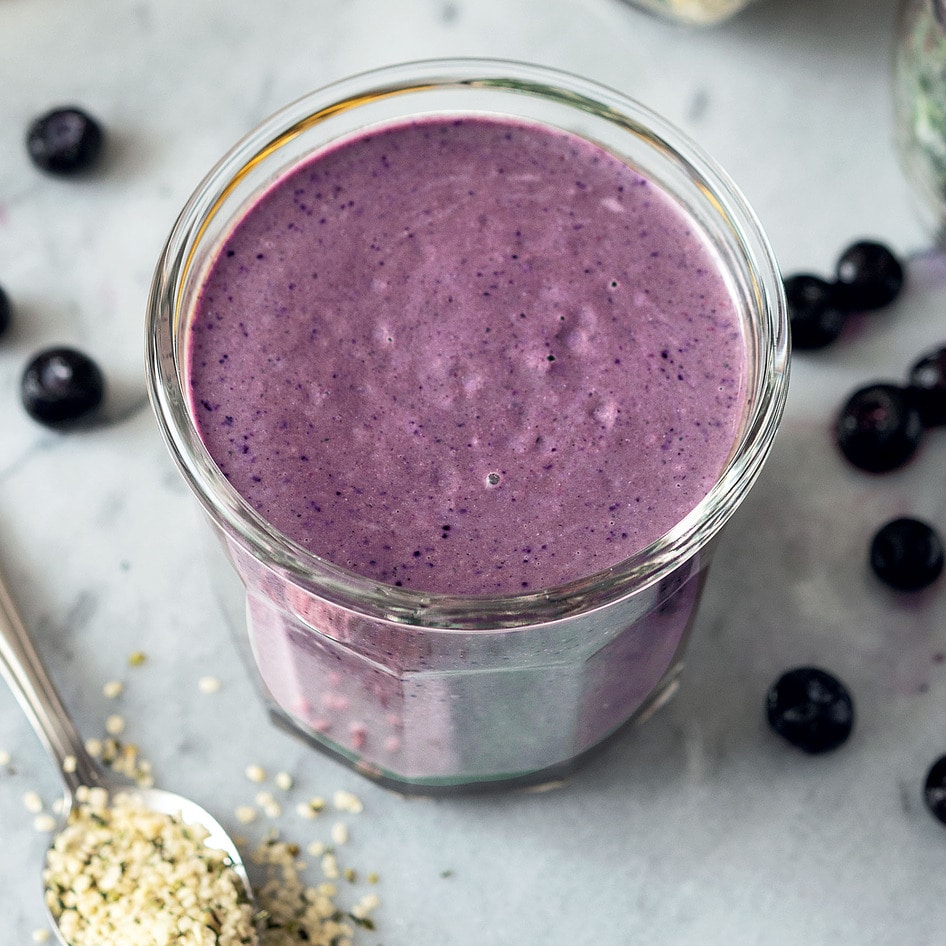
<point x="467" y="356"/>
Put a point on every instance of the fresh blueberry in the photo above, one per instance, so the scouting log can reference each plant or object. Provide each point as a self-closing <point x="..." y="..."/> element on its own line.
<point x="879" y="428"/>
<point x="907" y="554"/>
<point x="927" y="380"/>
<point x="60" y="386"/>
<point x="934" y="790"/>
<point x="868" y="276"/>
<point x="64" y="141"/>
<point x="816" y="320"/>
<point x="811" y="709"/>
<point x="6" y="311"/>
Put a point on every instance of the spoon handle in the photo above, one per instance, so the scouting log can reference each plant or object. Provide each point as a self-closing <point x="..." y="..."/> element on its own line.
<point x="23" y="670"/>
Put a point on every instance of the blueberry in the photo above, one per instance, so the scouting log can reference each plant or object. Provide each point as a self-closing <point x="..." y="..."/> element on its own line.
<point x="879" y="428"/>
<point x="64" y="141"/>
<point x="61" y="385"/>
<point x="868" y="276"/>
<point x="927" y="380"/>
<point x="811" y="709"/>
<point x="6" y="311"/>
<point x="934" y="790"/>
<point x="907" y="554"/>
<point x="815" y="317"/>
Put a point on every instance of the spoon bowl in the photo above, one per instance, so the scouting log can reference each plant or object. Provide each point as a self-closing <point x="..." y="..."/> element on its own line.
<point x="26" y="676"/>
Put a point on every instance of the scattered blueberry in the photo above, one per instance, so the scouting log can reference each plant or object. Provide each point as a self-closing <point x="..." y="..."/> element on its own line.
<point x="811" y="709"/>
<point x="64" y="141"/>
<point x="934" y="791"/>
<point x="61" y="385"/>
<point x="927" y="380"/>
<point x="879" y="428"/>
<point x="907" y="554"/>
<point x="813" y="312"/>
<point x="6" y="311"/>
<point x="868" y="276"/>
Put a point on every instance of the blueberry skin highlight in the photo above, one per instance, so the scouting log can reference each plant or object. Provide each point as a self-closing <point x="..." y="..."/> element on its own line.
<point x="868" y="276"/>
<point x="811" y="709"/>
<point x="61" y="386"/>
<point x="64" y="141"/>
<point x="879" y="427"/>
<point x="927" y="380"/>
<point x="907" y="554"/>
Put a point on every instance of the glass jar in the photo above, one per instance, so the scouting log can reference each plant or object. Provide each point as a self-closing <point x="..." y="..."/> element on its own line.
<point x="919" y="95"/>
<point x="693" y="12"/>
<point x="430" y="692"/>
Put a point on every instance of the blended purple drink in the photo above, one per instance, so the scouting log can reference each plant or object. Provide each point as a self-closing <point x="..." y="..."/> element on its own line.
<point x="467" y="357"/>
<point x="467" y="395"/>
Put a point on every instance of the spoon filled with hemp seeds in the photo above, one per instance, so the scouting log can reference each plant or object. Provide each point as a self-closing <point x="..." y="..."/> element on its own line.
<point x="129" y="866"/>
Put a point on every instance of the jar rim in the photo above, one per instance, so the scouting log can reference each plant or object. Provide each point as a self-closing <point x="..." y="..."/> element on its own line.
<point x="239" y="520"/>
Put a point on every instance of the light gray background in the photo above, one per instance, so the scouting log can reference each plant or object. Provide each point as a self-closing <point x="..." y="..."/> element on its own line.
<point x="700" y="827"/>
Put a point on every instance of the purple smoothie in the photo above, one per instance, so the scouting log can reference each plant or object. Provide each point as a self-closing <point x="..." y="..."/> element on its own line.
<point x="467" y="357"/>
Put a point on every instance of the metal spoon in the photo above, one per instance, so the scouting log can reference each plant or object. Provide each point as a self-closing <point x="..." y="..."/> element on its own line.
<point x="20" y="665"/>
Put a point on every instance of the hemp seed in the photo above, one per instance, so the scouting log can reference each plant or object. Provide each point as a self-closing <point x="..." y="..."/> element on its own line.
<point x="271" y="808"/>
<point x="44" y="823"/>
<point x="329" y="865"/>
<point x="208" y="685"/>
<point x="347" y="801"/>
<point x="256" y="773"/>
<point x="33" y="803"/>
<point x="119" y="872"/>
